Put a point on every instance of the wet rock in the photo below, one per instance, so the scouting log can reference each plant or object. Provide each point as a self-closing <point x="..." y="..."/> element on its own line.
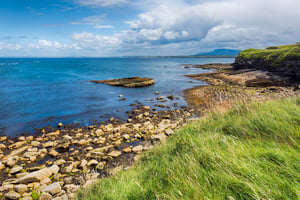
<point x="127" y="150"/>
<point x="59" y="125"/>
<point x="21" y="188"/>
<point x="12" y="195"/>
<point x="157" y="92"/>
<point x="2" y="166"/>
<point x="115" y="154"/>
<point x="21" y="138"/>
<point x="17" y="145"/>
<point x="160" y="98"/>
<point x="53" y="153"/>
<point x="171" y="97"/>
<point x="53" y="189"/>
<point x="92" y="163"/>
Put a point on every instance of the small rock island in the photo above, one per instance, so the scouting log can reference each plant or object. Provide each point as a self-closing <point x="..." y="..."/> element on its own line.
<point x="130" y="82"/>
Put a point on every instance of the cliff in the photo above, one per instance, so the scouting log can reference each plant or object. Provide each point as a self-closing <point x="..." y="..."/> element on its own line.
<point x="282" y="60"/>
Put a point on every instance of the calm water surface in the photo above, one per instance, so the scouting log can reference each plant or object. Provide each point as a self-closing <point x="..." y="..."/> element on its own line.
<point x="37" y="92"/>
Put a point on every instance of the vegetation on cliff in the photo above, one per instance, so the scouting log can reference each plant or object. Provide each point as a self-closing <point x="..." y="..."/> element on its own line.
<point x="275" y="55"/>
<point x="251" y="152"/>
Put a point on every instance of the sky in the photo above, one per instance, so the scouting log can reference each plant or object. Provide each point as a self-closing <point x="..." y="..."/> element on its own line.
<point x="109" y="28"/>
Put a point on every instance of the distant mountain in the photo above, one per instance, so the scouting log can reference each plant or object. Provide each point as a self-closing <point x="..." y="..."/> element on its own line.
<point x="220" y="52"/>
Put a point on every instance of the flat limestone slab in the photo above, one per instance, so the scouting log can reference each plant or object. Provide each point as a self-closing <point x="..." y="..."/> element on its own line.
<point x="131" y="82"/>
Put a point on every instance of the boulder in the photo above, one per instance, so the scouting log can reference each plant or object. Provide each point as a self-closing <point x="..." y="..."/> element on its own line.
<point x="36" y="176"/>
<point x="12" y="195"/>
<point x="53" y="189"/>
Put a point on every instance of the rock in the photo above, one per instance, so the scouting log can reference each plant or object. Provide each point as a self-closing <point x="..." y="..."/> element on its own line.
<point x="127" y="150"/>
<point x="130" y="82"/>
<point x="49" y="144"/>
<point x="11" y="161"/>
<point x="115" y="154"/>
<point x="157" y="92"/>
<point x="21" y="188"/>
<point x="83" y="163"/>
<point x="120" y="95"/>
<point x="71" y="188"/>
<point x="169" y="132"/>
<point x="53" y="153"/>
<point x="53" y="189"/>
<point x="45" y="196"/>
<point x="21" y="138"/>
<point x="60" y="162"/>
<point x="2" y="166"/>
<point x="6" y="187"/>
<point x="99" y="132"/>
<point x="101" y="165"/>
<point x="68" y="180"/>
<point x="171" y="97"/>
<point x="15" y="169"/>
<point x="12" y="195"/>
<point x="59" y="125"/>
<point x="54" y="169"/>
<point x="16" y="145"/>
<point x="19" y="175"/>
<point x="36" y="176"/>
<point x="162" y="137"/>
<point x="160" y="98"/>
<point x="67" y="137"/>
<point x="45" y="181"/>
<point x="63" y="146"/>
<point x="137" y="149"/>
<point x="92" y="163"/>
<point x="35" y="143"/>
<point x="16" y="152"/>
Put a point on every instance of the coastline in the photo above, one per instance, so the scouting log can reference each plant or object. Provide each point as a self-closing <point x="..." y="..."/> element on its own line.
<point x="81" y="155"/>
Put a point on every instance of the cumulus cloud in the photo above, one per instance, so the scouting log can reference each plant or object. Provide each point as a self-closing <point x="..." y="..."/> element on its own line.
<point x="100" y="3"/>
<point x="91" y="41"/>
<point x="46" y="43"/>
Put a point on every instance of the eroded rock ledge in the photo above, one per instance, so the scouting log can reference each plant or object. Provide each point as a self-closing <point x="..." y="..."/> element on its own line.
<point x="130" y="82"/>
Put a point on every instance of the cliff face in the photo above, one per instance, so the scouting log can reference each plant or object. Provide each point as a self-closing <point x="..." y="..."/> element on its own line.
<point x="284" y="60"/>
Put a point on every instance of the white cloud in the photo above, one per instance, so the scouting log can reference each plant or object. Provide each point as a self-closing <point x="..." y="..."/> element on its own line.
<point x="91" y="41"/>
<point x="49" y="44"/>
<point x="100" y="3"/>
<point x="103" y="26"/>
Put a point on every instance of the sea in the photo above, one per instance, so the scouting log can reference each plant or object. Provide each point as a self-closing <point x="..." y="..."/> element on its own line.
<point x="39" y="92"/>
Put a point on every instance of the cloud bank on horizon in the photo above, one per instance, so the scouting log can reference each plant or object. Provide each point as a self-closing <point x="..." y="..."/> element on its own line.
<point x="134" y="27"/>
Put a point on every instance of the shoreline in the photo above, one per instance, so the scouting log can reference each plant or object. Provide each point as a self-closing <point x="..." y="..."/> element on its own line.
<point x="81" y="155"/>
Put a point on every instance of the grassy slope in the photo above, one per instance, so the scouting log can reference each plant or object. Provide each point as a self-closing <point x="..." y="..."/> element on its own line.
<point x="276" y="56"/>
<point x="252" y="152"/>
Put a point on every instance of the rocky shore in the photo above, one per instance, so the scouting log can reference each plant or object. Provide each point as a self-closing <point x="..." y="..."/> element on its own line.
<point x="130" y="82"/>
<point x="57" y="162"/>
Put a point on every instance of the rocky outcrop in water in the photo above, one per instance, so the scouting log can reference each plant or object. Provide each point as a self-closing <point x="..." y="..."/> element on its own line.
<point x="131" y="82"/>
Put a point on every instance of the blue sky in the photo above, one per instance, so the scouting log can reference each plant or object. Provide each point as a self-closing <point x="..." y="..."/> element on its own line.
<point x="103" y="28"/>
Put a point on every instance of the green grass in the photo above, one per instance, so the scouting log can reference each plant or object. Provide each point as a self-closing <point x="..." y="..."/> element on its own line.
<point x="275" y="56"/>
<point x="251" y="152"/>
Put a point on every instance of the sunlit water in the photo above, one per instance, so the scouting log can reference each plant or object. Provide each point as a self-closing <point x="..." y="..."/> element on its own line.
<point x="37" y="92"/>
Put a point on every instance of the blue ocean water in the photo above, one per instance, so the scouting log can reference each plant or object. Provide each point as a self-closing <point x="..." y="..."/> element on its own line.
<point x="37" y="92"/>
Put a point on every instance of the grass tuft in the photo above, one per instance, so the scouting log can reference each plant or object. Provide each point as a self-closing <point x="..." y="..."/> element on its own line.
<point x="251" y="152"/>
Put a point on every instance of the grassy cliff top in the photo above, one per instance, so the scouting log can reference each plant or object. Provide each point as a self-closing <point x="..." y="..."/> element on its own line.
<point x="276" y="54"/>
<point x="251" y="152"/>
